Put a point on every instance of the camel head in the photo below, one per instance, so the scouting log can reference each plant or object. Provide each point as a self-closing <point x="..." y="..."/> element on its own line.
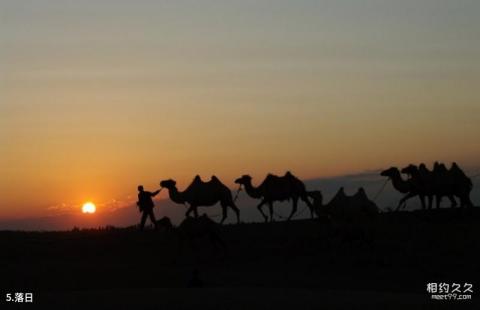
<point x="410" y="169"/>
<point x="168" y="184"/>
<point x="390" y="172"/>
<point x="243" y="180"/>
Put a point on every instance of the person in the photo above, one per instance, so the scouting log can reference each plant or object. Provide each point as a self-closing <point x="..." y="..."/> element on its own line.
<point x="145" y="204"/>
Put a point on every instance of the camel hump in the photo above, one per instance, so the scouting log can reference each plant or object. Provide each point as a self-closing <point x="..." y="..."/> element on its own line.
<point x="340" y="194"/>
<point x="439" y="167"/>
<point x="290" y="176"/>
<point x="362" y="196"/>
<point x="197" y="180"/>
<point x="455" y="168"/>
<point x="457" y="172"/>
<point x="269" y="178"/>
<point x="423" y="168"/>
<point x="216" y="181"/>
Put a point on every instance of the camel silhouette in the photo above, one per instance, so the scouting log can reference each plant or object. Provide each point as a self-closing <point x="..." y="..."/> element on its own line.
<point x="422" y="183"/>
<point x="200" y="227"/>
<point x="431" y="184"/>
<point x="403" y="186"/>
<point x="462" y="185"/>
<point x="202" y="194"/>
<point x="438" y="183"/>
<point x="348" y="208"/>
<point x="275" y="188"/>
<point x="456" y="182"/>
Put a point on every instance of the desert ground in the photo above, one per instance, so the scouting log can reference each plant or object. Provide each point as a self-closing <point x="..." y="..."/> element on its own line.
<point x="306" y="264"/>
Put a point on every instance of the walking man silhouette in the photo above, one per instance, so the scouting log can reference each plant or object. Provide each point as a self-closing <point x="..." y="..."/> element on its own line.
<point x="145" y="204"/>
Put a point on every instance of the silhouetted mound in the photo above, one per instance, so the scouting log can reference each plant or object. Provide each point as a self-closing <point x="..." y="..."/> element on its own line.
<point x="355" y="207"/>
<point x="164" y="224"/>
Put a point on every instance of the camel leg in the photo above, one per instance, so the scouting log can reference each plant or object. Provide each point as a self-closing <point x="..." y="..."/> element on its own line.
<point x="259" y="207"/>
<point x="422" y="201"/>
<point x="402" y="201"/>
<point x="189" y="211"/>
<point x="430" y="201"/>
<point x="465" y="201"/>
<point x="294" y="208"/>
<point x="224" y="214"/>
<point x="310" y="206"/>
<point x="439" y="201"/>
<point x="270" y="209"/>
<point x="400" y="204"/>
<point x="468" y="201"/>
<point x="453" y="202"/>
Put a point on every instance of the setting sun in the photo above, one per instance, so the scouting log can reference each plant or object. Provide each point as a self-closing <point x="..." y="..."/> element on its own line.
<point x="89" y="208"/>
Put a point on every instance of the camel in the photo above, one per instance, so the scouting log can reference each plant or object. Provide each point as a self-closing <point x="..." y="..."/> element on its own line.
<point x="421" y="180"/>
<point x="202" y="194"/>
<point x="317" y="201"/>
<point x="443" y="184"/>
<point x="349" y="208"/>
<point x="275" y="188"/>
<point x="200" y="227"/>
<point x="462" y="185"/>
<point x="401" y="185"/>
<point x="437" y="183"/>
<point x="349" y="216"/>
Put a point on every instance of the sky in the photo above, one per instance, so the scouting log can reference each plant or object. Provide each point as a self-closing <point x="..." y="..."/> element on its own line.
<point x="99" y="96"/>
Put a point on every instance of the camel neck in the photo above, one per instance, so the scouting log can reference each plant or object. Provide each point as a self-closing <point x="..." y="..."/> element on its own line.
<point x="175" y="195"/>
<point x="400" y="184"/>
<point x="252" y="191"/>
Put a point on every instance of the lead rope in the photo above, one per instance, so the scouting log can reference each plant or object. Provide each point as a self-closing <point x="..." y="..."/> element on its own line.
<point x="380" y="191"/>
<point x="238" y="193"/>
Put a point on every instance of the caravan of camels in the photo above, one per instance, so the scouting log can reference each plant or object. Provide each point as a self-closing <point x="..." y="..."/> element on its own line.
<point x="422" y="182"/>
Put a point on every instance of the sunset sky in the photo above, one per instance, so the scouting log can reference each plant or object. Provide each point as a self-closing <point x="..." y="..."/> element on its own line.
<point x="99" y="96"/>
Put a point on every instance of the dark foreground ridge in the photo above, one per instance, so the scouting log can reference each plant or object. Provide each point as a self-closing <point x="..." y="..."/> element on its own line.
<point x="306" y="263"/>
